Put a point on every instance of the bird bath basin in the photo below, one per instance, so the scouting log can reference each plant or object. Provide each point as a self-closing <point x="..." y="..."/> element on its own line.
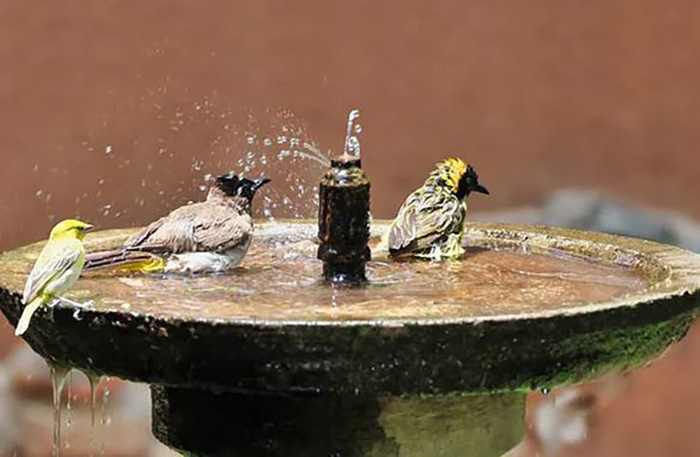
<point x="430" y="359"/>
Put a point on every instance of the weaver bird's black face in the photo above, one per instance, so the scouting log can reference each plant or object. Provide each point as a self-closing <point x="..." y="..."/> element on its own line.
<point x="468" y="183"/>
<point x="234" y="185"/>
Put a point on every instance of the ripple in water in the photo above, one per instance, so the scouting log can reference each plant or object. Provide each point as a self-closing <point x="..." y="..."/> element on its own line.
<point x="280" y="280"/>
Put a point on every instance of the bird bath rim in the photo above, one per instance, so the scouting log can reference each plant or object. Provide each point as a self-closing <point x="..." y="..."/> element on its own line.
<point x="670" y="270"/>
<point x="464" y="355"/>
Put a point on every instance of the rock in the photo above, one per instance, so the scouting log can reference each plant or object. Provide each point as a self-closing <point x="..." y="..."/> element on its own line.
<point x="563" y="420"/>
<point x="687" y="233"/>
<point x="525" y="215"/>
<point x="595" y="211"/>
<point x="571" y="208"/>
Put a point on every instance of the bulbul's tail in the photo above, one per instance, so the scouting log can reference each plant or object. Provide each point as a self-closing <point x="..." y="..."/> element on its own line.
<point x="124" y="260"/>
<point x="27" y="314"/>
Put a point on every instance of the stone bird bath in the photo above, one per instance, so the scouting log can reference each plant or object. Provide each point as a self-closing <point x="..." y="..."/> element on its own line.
<point x="428" y="360"/>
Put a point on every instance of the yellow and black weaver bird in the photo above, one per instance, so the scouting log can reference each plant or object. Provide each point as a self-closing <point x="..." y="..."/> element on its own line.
<point x="211" y="236"/>
<point x="56" y="270"/>
<point x="430" y="223"/>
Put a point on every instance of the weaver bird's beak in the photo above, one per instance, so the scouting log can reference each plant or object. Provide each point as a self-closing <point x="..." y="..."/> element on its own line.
<point x="481" y="190"/>
<point x="258" y="183"/>
<point x="87" y="228"/>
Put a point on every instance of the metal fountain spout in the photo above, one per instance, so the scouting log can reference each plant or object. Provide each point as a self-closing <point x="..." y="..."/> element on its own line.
<point x="343" y="222"/>
<point x="343" y="219"/>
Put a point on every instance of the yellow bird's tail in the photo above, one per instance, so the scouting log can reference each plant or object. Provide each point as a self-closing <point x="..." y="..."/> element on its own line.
<point x="27" y="314"/>
<point x="124" y="261"/>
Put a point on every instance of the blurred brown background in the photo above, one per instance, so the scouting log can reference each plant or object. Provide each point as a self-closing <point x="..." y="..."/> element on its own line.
<point x="114" y="110"/>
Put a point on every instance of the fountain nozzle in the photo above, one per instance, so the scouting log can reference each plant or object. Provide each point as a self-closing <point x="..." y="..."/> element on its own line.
<point x="343" y="222"/>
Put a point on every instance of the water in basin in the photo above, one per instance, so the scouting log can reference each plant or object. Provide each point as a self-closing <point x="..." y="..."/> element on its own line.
<point x="279" y="281"/>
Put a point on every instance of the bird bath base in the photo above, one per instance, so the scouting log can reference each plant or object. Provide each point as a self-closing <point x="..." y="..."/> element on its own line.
<point x="336" y="425"/>
<point x="238" y="370"/>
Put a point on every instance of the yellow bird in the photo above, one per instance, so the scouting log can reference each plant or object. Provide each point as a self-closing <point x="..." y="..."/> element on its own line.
<point x="56" y="270"/>
<point x="430" y="223"/>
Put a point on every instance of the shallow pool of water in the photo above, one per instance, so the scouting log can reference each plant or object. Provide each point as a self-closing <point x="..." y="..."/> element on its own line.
<point x="279" y="281"/>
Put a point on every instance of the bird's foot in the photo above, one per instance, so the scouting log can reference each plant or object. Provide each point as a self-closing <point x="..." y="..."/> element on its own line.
<point x="86" y="304"/>
<point x="452" y="249"/>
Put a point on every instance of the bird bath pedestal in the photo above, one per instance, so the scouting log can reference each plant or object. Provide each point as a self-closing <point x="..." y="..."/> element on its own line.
<point x="238" y="369"/>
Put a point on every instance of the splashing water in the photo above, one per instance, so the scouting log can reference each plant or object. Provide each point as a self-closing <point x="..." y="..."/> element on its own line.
<point x="352" y="142"/>
<point x="69" y="406"/>
<point x="94" y="385"/>
<point x="197" y="138"/>
<point x="106" y="419"/>
<point x="58" y="380"/>
<point x="278" y="146"/>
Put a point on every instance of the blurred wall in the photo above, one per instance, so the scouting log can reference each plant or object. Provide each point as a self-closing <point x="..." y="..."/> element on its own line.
<point x="538" y="95"/>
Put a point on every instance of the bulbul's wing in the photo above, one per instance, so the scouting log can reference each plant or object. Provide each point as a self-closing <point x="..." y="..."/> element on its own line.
<point x="55" y="259"/>
<point x="201" y="227"/>
<point x="423" y="219"/>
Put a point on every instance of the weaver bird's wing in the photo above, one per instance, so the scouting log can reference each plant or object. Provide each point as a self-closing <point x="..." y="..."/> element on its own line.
<point x="56" y="258"/>
<point x="202" y="227"/>
<point x="422" y="220"/>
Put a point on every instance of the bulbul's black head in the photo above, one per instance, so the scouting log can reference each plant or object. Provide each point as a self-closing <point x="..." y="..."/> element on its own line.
<point x="234" y="185"/>
<point x="469" y="182"/>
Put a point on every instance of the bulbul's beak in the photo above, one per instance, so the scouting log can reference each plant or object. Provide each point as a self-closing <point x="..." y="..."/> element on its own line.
<point x="258" y="183"/>
<point x="482" y="190"/>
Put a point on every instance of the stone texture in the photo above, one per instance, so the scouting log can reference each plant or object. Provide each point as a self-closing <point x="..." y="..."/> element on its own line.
<point x="475" y="352"/>
<point x="469" y="355"/>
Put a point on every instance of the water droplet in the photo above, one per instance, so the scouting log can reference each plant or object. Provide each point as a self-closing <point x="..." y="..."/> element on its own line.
<point x="58" y="379"/>
<point x="352" y="143"/>
<point x="108" y="149"/>
<point x="94" y="385"/>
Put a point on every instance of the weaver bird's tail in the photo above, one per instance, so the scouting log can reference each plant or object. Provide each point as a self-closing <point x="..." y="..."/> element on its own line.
<point x="27" y="314"/>
<point x="123" y="260"/>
